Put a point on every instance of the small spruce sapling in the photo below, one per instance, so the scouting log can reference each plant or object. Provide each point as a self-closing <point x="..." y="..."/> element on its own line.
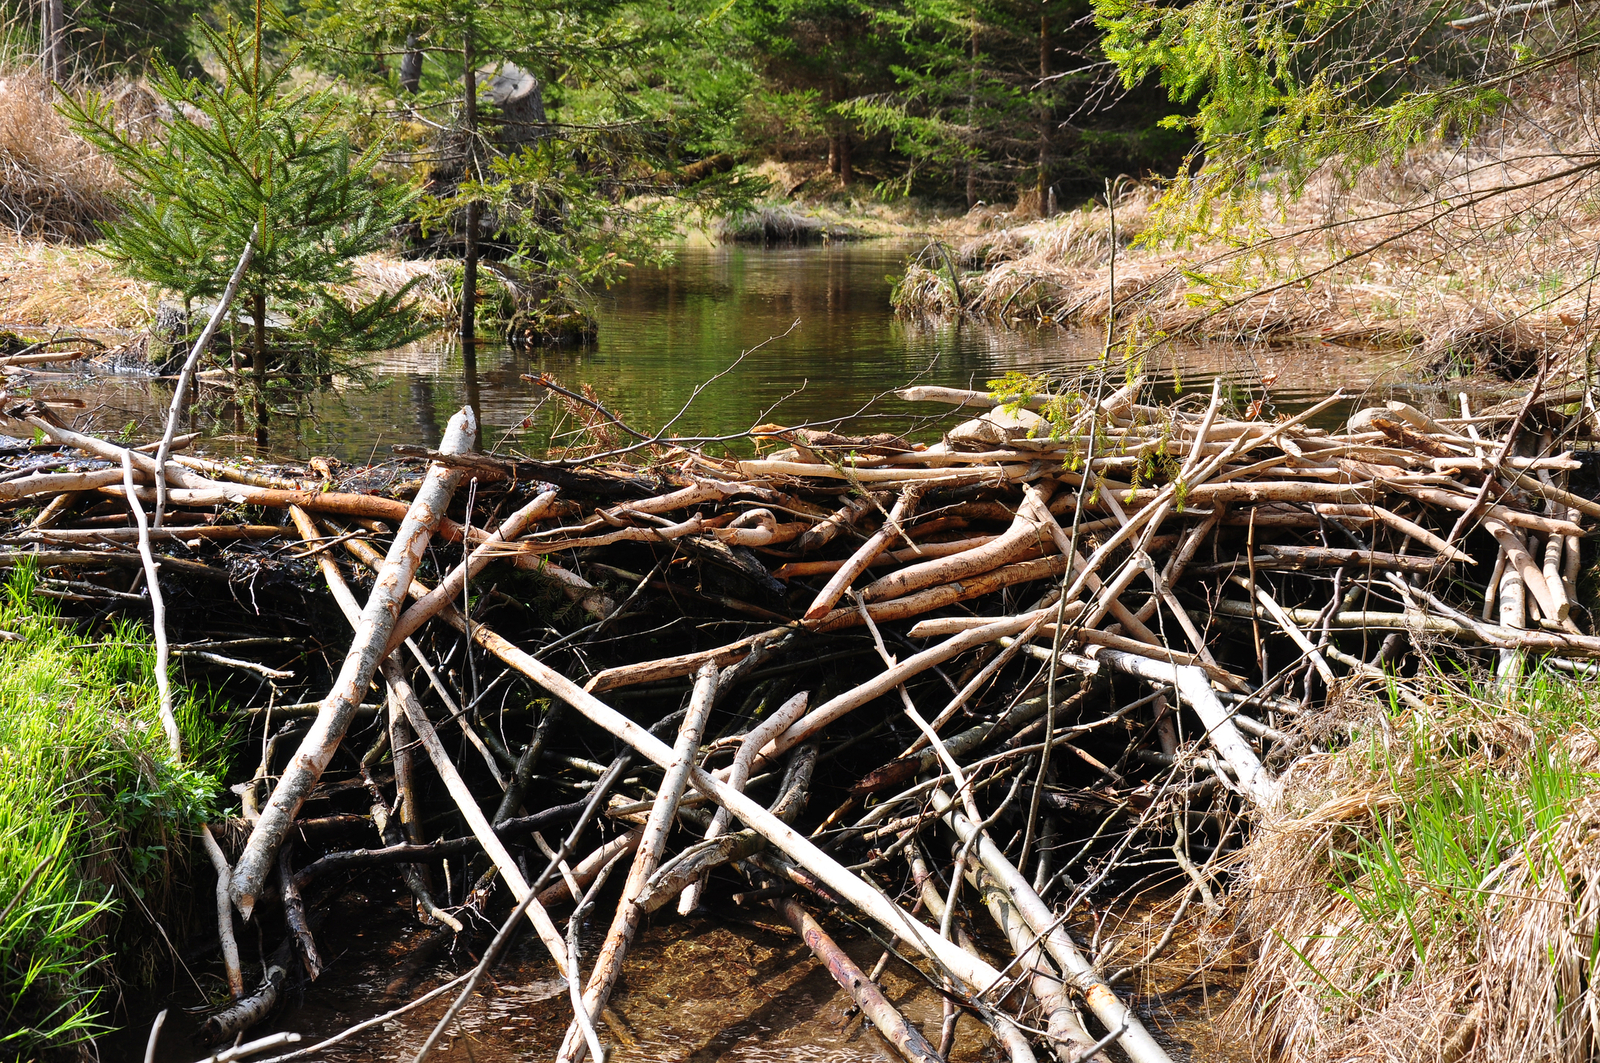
<point x="247" y="151"/>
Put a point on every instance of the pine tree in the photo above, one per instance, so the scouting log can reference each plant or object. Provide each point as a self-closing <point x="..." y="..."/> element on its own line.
<point x="249" y="154"/>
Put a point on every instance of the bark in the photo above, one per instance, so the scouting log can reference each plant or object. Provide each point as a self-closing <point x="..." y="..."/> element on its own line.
<point x="372" y="635"/>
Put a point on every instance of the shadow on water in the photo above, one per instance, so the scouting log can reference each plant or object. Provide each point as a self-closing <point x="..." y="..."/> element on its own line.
<point x="750" y="335"/>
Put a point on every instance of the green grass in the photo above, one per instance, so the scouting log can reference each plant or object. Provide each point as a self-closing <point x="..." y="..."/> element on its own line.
<point x="94" y="812"/>
<point x="1480" y="787"/>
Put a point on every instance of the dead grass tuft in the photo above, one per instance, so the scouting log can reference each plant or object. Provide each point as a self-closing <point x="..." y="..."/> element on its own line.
<point x="1431" y="893"/>
<point x="53" y="184"/>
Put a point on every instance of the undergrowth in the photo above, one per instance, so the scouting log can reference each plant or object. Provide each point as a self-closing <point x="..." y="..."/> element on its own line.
<point x="94" y="817"/>
<point x="1432" y="890"/>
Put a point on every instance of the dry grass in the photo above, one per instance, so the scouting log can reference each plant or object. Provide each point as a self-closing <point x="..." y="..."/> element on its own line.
<point x="1432" y="892"/>
<point x="53" y="184"/>
<point x="47" y="285"/>
<point x="1464" y="276"/>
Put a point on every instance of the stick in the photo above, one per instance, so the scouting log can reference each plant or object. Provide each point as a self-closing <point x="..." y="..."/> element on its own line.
<point x="451" y="586"/>
<point x="859" y="561"/>
<point x="911" y="1045"/>
<point x="1107" y="1007"/>
<point x="155" y="1037"/>
<point x="739" y="774"/>
<point x="189" y="364"/>
<point x="377" y="620"/>
<point x="294" y="909"/>
<point x="608" y="966"/>
<point x="476" y="820"/>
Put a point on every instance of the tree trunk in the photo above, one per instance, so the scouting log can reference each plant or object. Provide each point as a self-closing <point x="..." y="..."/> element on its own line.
<point x="846" y="174"/>
<point x="1045" y="205"/>
<point x="972" y="116"/>
<point x="411" y="67"/>
<point x="258" y="359"/>
<point x="469" y="257"/>
<point x="53" y="38"/>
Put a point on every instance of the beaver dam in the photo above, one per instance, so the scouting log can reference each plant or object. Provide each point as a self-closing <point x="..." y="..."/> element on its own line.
<point x="974" y="699"/>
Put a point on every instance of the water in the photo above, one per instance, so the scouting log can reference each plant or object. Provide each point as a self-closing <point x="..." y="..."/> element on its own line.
<point x="722" y="340"/>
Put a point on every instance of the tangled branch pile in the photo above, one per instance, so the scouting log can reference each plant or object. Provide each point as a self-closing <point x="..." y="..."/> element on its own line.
<point x="1053" y="660"/>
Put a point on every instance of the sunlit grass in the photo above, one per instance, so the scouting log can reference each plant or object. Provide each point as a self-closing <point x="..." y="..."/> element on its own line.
<point x="1435" y="882"/>
<point x="92" y="806"/>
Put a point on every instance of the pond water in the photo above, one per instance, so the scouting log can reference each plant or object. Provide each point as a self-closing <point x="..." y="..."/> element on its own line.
<point x="722" y="339"/>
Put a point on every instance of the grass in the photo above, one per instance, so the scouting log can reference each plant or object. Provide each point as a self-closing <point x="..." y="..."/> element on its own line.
<point x="1432" y="891"/>
<point x="94" y="813"/>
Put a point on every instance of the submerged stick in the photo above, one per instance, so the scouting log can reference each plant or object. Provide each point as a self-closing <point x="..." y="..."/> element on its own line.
<point x="372" y="635"/>
<point x="1106" y="1005"/>
<point x="630" y="910"/>
<point x="911" y="1045"/>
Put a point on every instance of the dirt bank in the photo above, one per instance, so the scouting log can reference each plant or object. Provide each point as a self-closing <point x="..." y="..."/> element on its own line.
<point x="1478" y="255"/>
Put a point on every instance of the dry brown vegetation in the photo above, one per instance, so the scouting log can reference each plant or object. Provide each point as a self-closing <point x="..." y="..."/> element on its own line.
<point x="1431" y="892"/>
<point x="53" y="184"/>
<point x="1478" y="251"/>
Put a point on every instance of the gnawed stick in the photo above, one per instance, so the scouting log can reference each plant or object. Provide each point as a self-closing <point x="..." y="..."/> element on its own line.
<point x="1076" y="969"/>
<point x="911" y="1045"/>
<point x="372" y="635"/>
<point x="739" y="774"/>
<point x="1519" y="558"/>
<point x="865" y="554"/>
<point x="608" y="966"/>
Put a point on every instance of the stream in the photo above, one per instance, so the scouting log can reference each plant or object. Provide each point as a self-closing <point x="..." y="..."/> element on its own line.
<point x="723" y="339"/>
<point x="720" y="340"/>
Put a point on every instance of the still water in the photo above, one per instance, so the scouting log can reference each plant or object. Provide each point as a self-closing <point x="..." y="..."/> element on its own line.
<point x="723" y="339"/>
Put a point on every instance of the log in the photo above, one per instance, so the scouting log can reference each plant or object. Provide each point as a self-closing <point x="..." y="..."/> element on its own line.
<point x="377" y="621"/>
<point x="54" y="483"/>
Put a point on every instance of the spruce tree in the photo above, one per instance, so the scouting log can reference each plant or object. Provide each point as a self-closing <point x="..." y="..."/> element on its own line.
<point x="249" y="154"/>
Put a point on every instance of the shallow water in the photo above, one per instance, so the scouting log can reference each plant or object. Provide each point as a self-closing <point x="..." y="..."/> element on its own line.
<point x="739" y="988"/>
<point x="721" y="340"/>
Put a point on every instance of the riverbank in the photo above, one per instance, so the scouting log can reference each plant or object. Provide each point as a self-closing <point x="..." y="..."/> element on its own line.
<point x="1430" y="881"/>
<point x="1475" y="257"/>
<point x="95" y="821"/>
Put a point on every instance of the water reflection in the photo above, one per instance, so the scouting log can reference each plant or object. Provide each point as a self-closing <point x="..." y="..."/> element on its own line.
<point x="752" y="335"/>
